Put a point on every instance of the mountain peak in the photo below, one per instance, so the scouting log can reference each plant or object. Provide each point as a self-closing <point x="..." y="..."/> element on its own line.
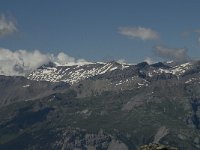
<point x="160" y="65"/>
<point x="142" y="65"/>
<point x="50" y="65"/>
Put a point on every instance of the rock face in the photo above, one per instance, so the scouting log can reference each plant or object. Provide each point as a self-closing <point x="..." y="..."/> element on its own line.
<point x="157" y="147"/>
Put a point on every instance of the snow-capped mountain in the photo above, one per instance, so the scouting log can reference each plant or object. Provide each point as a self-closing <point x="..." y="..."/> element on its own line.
<point x="73" y="73"/>
<point x="92" y="78"/>
<point x="160" y="97"/>
<point x="78" y="72"/>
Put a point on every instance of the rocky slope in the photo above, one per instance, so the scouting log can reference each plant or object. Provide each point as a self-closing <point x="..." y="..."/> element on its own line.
<point x="102" y="106"/>
<point x="157" y="147"/>
<point x="73" y="74"/>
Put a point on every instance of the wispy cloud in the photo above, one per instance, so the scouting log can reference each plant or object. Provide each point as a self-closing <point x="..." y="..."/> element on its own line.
<point x="21" y="62"/>
<point x="199" y="39"/>
<point x="149" y="60"/>
<point x="121" y="61"/>
<point x="192" y="32"/>
<point x="7" y="26"/>
<point x="198" y="32"/>
<point x="177" y="54"/>
<point x="139" y="32"/>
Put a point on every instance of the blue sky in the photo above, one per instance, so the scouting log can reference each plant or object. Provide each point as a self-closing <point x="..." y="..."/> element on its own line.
<point x="99" y="30"/>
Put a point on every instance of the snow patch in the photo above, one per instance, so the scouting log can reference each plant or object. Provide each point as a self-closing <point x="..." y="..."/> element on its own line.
<point x="25" y="86"/>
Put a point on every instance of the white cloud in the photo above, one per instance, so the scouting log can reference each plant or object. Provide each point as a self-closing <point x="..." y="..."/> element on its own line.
<point x="64" y="59"/>
<point x="21" y="62"/>
<point x="7" y="26"/>
<point x="139" y="32"/>
<point x="121" y="61"/>
<point x="149" y="60"/>
<point x="176" y="54"/>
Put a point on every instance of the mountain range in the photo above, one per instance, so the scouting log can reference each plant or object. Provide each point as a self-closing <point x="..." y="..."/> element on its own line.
<point x="114" y="106"/>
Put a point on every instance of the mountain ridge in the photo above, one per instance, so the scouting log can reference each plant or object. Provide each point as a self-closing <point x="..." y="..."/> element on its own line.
<point x="75" y="73"/>
<point x="102" y="106"/>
